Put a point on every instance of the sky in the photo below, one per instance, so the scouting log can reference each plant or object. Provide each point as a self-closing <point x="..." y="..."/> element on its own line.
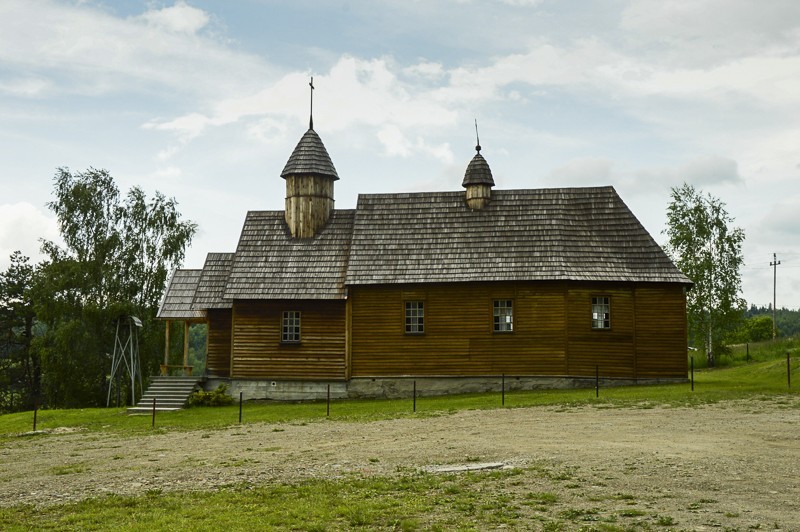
<point x="204" y="101"/>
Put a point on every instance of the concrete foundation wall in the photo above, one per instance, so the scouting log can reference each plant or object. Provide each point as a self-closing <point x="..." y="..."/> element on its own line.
<point x="399" y="387"/>
<point x="280" y="390"/>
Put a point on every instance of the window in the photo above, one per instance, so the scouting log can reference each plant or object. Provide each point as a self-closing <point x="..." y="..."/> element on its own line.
<point x="415" y="317"/>
<point x="290" y="328"/>
<point x="601" y="313"/>
<point x="503" y="315"/>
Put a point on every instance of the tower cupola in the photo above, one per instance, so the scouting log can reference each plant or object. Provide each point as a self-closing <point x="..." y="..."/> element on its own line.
<point x="309" y="175"/>
<point x="478" y="179"/>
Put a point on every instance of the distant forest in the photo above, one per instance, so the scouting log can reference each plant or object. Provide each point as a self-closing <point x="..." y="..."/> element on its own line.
<point x="787" y="321"/>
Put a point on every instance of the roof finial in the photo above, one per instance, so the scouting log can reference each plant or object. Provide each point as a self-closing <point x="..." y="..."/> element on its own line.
<point x="311" y="115"/>
<point x="477" y="139"/>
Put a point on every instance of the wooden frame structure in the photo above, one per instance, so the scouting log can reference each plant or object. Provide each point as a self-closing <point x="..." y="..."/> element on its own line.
<point x="345" y="278"/>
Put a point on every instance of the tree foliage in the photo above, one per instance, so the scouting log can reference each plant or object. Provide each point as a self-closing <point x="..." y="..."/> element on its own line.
<point x="20" y="368"/>
<point x="708" y="250"/>
<point x="753" y="329"/>
<point x="114" y="263"/>
<point x="787" y="321"/>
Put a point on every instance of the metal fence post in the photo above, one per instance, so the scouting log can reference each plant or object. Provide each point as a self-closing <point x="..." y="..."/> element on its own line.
<point x="414" y="394"/>
<point x="154" y="411"/>
<point x="597" y="381"/>
<point x="240" y="406"/>
<point x="503" y="388"/>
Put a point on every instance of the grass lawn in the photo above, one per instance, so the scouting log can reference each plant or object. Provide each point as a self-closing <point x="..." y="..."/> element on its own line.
<point x="411" y="500"/>
<point x="737" y="379"/>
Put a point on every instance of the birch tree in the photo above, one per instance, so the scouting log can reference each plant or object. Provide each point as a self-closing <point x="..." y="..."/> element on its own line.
<point x="117" y="251"/>
<point x="708" y="249"/>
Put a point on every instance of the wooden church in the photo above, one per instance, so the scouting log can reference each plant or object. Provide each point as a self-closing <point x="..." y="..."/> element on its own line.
<point x="450" y="289"/>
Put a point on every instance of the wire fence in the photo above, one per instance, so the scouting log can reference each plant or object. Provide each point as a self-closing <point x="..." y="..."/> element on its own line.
<point x="597" y="382"/>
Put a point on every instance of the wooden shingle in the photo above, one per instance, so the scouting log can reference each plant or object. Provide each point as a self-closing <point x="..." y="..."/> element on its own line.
<point x="310" y="158"/>
<point x="577" y="234"/>
<point x="270" y="264"/>
<point x="478" y="172"/>
<point x="177" y="302"/>
<point x="211" y="285"/>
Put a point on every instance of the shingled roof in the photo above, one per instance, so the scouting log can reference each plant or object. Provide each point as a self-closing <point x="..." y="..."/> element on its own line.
<point x="177" y="302"/>
<point x="310" y="158"/>
<point x="579" y="234"/>
<point x="478" y="171"/>
<point x="270" y="264"/>
<point x="561" y="234"/>
<point x="211" y="285"/>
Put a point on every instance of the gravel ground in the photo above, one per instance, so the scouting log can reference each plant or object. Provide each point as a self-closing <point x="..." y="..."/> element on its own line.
<point x="733" y="465"/>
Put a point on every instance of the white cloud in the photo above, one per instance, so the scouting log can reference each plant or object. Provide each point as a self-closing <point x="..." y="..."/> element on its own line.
<point x="27" y="87"/>
<point x="353" y="93"/>
<point x="267" y="130"/>
<point x="522" y="3"/>
<point x="186" y="127"/>
<point x="783" y="220"/>
<point x="394" y="142"/>
<point x="180" y="18"/>
<point x="425" y="70"/>
<point x="710" y="170"/>
<point x="85" y="50"/>
<point x="21" y="227"/>
<point x="596" y="171"/>
<point x="442" y="151"/>
<point x="704" y="32"/>
<point x="582" y="172"/>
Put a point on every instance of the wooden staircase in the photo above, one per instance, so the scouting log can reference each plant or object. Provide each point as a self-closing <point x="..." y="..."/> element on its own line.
<point x="170" y="393"/>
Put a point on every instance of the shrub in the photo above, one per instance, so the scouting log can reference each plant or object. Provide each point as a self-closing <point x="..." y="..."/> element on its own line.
<point x="218" y="397"/>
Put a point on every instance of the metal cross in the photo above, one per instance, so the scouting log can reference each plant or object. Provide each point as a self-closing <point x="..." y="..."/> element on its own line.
<point x="311" y="116"/>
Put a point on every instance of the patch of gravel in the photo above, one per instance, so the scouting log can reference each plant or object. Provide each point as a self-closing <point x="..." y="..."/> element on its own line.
<point x="733" y="464"/>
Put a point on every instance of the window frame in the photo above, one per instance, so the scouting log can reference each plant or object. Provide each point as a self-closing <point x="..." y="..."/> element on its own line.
<point x="601" y="321"/>
<point x="291" y="326"/>
<point x="499" y="306"/>
<point x="414" y="317"/>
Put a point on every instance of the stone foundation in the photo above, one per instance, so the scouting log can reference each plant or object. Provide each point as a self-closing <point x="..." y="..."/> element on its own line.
<point x="400" y="387"/>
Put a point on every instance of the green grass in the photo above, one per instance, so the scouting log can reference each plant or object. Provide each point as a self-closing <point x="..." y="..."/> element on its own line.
<point x="515" y="499"/>
<point x="743" y="354"/>
<point x="411" y="501"/>
<point x="744" y="381"/>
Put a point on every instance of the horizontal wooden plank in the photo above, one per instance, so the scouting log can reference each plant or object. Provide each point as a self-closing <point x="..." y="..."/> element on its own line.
<point x="259" y="353"/>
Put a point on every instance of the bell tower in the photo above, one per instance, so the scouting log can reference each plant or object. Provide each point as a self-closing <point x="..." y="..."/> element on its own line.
<point x="309" y="176"/>
<point x="478" y="179"/>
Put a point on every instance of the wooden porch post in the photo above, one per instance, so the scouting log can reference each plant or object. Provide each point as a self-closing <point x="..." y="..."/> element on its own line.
<point x="166" y="345"/>
<point x="185" y="343"/>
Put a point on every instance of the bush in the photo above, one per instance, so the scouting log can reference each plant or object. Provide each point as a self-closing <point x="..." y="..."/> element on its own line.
<point x="218" y="397"/>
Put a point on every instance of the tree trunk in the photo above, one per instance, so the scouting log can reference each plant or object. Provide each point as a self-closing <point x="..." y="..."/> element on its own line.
<point x="710" y="350"/>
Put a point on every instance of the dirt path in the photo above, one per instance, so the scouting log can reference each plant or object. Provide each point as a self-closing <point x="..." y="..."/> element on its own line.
<point x="731" y="464"/>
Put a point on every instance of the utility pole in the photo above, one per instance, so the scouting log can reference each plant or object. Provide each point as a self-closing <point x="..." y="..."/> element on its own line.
<point x="775" y="262"/>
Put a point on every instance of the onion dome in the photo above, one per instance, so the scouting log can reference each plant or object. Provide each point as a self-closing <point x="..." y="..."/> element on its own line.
<point x="478" y="171"/>
<point x="310" y="158"/>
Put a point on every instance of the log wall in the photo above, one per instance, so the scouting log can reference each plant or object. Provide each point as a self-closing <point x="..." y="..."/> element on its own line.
<point x="309" y="203"/>
<point x="218" y="353"/>
<point x="478" y="196"/>
<point x="459" y="337"/>
<point x="259" y="354"/>
<point x="661" y="332"/>
<point x="611" y="349"/>
<point x="552" y="334"/>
